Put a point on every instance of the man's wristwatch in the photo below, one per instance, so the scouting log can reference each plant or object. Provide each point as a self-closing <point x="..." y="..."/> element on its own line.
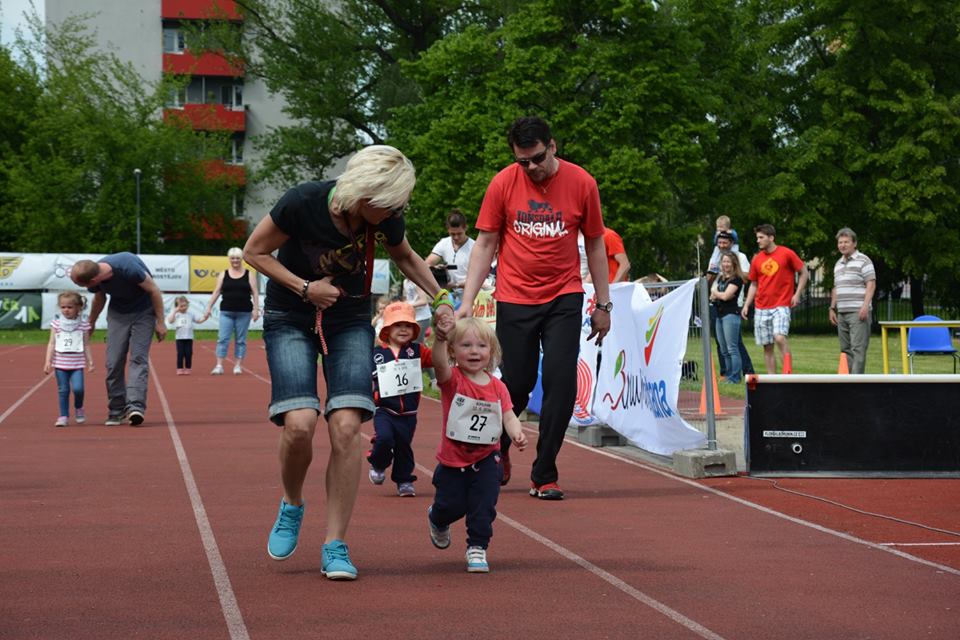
<point x="605" y="306"/>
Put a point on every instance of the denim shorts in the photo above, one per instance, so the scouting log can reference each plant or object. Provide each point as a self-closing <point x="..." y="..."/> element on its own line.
<point x="292" y="352"/>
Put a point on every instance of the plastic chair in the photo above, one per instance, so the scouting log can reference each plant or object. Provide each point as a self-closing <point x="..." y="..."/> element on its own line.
<point x="930" y="341"/>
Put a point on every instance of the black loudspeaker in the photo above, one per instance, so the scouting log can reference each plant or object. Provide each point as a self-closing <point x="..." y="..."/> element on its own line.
<point x="846" y="425"/>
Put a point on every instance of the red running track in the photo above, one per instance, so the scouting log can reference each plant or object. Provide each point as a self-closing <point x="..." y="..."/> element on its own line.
<point x="160" y="532"/>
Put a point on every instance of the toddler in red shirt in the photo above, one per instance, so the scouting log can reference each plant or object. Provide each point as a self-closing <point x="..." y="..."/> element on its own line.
<point x="476" y="410"/>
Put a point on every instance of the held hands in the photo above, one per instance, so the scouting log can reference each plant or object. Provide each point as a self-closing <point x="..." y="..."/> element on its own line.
<point x="519" y="440"/>
<point x="444" y="322"/>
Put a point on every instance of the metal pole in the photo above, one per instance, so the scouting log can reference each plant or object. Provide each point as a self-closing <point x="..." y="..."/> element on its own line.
<point x="136" y="174"/>
<point x="704" y="292"/>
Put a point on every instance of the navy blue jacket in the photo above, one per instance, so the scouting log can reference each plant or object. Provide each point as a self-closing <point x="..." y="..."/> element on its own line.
<point x="406" y="404"/>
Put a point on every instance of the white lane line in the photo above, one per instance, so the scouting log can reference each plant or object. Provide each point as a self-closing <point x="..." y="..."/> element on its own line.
<point x="255" y="375"/>
<point x="22" y="399"/>
<point x="769" y="511"/>
<point x="228" y="601"/>
<point x="920" y="544"/>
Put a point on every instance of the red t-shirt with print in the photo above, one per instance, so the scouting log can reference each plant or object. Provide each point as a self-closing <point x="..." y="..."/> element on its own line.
<point x="614" y="245"/>
<point x="453" y="453"/>
<point x="774" y="274"/>
<point x="537" y="226"/>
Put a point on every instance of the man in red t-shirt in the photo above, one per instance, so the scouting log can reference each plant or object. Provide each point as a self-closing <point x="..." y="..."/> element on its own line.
<point x="771" y="276"/>
<point x="531" y="214"/>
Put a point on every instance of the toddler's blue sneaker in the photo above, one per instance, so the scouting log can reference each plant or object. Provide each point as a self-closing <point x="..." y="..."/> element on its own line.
<point x="335" y="562"/>
<point x="286" y="531"/>
<point x="477" y="560"/>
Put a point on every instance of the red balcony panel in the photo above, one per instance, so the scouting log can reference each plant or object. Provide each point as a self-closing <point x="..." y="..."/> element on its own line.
<point x="208" y="117"/>
<point x="206" y="64"/>
<point x="200" y="10"/>
<point x="233" y="174"/>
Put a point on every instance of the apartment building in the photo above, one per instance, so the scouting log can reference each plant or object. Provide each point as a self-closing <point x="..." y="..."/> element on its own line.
<point x="153" y="35"/>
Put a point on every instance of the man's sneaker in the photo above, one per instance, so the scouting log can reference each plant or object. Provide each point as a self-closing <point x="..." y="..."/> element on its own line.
<point x="335" y="562"/>
<point x="80" y="416"/>
<point x="406" y="490"/>
<point x="376" y="475"/>
<point x="285" y="532"/>
<point x="439" y="537"/>
<point x="113" y="421"/>
<point x="548" y="491"/>
<point x="477" y="560"/>
<point x="135" y="416"/>
<point x="217" y="371"/>
<point x="237" y="369"/>
<point x="61" y="422"/>
<point x="505" y="462"/>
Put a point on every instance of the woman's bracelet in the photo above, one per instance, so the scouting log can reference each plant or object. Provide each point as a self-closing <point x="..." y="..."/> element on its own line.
<point x="442" y="298"/>
<point x="303" y="291"/>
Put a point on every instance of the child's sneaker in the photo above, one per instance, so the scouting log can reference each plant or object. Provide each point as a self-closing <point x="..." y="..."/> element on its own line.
<point x="80" y="416"/>
<point x="406" y="490"/>
<point x="286" y="531"/>
<point x="186" y="372"/>
<point x="439" y="537"/>
<point x="237" y="369"/>
<point x="376" y="475"/>
<point x="477" y="560"/>
<point x="217" y="371"/>
<point x="335" y="562"/>
<point x="179" y="372"/>
<point x="61" y="422"/>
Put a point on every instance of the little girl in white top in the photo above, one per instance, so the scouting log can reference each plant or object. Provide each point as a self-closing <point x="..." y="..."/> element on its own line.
<point x="182" y="320"/>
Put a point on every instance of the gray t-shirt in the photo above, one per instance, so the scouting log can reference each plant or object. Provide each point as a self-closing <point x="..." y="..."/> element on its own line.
<point x="123" y="287"/>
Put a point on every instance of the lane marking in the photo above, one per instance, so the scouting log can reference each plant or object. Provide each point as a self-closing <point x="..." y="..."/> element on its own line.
<point x="255" y="375"/>
<point x="228" y="601"/>
<point x="920" y="544"/>
<point x="23" y="398"/>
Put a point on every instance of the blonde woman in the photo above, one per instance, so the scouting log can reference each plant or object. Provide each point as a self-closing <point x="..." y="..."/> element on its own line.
<point x="241" y="302"/>
<point x="318" y="303"/>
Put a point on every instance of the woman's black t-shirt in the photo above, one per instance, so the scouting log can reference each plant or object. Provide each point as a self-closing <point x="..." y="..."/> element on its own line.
<point x="316" y="249"/>
<point x="725" y="307"/>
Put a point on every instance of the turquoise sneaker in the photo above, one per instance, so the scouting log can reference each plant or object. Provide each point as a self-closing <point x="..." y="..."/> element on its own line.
<point x="286" y="531"/>
<point x="477" y="560"/>
<point x="336" y="563"/>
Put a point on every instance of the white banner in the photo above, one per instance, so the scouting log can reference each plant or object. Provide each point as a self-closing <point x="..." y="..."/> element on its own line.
<point x="641" y="359"/>
<point x="34" y="271"/>
<point x="198" y="304"/>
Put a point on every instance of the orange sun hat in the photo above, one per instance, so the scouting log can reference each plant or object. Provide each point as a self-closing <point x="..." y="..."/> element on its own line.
<point x="399" y="312"/>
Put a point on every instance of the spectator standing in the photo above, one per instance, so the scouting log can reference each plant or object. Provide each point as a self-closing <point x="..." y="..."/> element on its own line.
<point x="772" y="273"/>
<point x="532" y="211"/>
<point x="854" y="283"/>
<point x="134" y="316"/>
<point x="454" y="251"/>
<point x="618" y="265"/>
<point x="724" y="294"/>
<point x="241" y="302"/>
<point x="725" y="244"/>
<point x="420" y="301"/>
<point x="318" y="303"/>
<point x="68" y="351"/>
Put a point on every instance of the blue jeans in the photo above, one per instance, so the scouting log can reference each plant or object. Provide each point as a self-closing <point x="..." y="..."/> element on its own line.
<point x="292" y="352"/>
<point x="728" y="335"/>
<point x="233" y="323"/>
<point x="67" y="378"/>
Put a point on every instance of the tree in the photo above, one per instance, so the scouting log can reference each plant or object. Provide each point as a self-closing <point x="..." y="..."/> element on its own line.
<point x="70" y="185"/>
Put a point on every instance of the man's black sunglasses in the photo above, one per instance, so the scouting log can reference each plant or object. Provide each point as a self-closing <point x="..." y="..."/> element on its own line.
<point x="537" y="159"/>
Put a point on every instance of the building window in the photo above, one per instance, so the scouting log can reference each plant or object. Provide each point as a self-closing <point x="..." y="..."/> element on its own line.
<point x="236" y="150"/>
<point x="231" y="96"/>
<point x="173" y="41"/>
<point x="177" y="98"/>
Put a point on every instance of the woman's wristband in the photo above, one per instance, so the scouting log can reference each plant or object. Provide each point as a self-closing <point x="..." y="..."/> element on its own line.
<point x="304" y="290"/>
<point x="442" y="298"/>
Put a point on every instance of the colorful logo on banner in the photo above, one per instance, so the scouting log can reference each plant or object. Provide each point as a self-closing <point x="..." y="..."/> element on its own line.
<point x="581" y="407"/>
<point x="485" y="307"/>
<point x="653" y="325"/>
<point x="204" y="271"/>
<point x="636" y="390"/>
<point x="8" y="266"/>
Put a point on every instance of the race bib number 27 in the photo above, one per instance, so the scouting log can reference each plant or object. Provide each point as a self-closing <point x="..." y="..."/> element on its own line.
<point x="474" y="421"/>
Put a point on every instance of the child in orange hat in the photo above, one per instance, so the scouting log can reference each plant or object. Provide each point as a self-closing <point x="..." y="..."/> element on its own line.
<point x="398" y="364"/>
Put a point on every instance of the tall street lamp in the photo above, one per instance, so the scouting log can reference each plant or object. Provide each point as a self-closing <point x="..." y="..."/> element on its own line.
<point x="136" y="174"/>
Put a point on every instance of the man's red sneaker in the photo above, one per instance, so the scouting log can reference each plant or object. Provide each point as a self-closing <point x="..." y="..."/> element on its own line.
<point x="549" y="491"/>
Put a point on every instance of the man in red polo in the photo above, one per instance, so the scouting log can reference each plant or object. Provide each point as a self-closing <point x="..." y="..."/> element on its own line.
<point x="531" y="214"/>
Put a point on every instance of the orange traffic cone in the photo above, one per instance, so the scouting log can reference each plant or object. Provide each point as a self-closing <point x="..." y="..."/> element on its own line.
<point x="717" y="407"/>
<point x="787" y="363"/>
<point x="843" y="369"/>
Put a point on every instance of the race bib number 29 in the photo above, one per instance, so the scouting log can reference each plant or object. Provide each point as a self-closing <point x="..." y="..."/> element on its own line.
<point x="69" y="341"/>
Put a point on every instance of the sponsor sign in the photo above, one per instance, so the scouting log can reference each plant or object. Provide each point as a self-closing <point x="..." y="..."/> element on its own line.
<point x="19" y="310"/>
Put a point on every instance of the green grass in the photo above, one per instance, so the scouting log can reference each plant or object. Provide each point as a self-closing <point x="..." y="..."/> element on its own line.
<point x="818" y="354"/>
<point x="41" y="336"/>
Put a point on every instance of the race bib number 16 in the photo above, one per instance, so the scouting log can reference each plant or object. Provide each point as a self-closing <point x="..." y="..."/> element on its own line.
<point x="398" y="377"/>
